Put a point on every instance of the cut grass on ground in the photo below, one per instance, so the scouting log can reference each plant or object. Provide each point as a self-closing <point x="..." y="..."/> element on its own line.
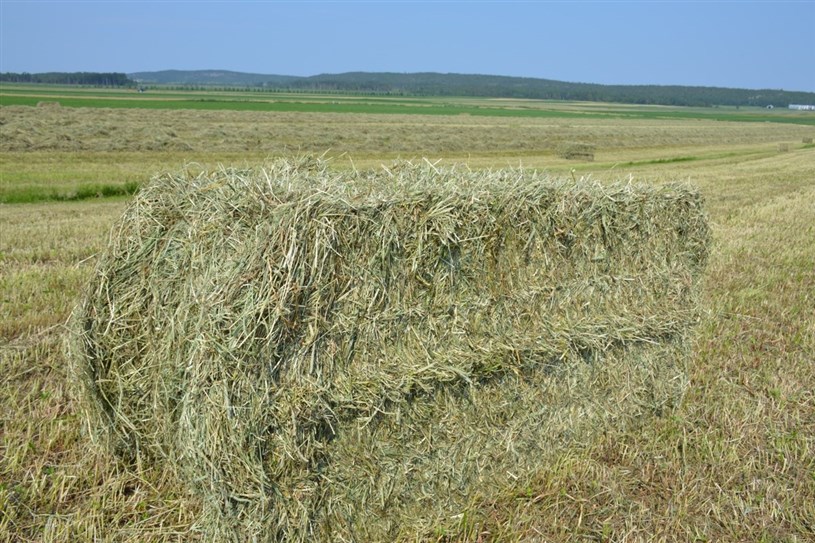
<point x="54" y="152"/>
<point x="734" y="463"/>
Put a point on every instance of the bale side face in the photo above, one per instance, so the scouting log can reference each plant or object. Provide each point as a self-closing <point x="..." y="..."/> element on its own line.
<point x="364" y="356"/>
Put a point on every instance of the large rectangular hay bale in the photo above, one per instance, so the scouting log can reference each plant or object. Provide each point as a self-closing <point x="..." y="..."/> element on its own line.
<point x="362" y="356"/>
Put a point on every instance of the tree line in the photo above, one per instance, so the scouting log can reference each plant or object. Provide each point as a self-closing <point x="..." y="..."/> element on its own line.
<point x="96" y="79"/>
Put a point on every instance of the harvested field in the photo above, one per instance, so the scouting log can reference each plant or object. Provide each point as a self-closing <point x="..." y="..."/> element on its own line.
<point x="370" y="355"/>
<point x="123" y="130"/>
<point x="733" y="462"/>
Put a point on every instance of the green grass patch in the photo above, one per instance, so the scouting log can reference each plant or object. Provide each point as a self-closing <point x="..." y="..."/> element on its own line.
<point x="85" y="191"/>
<point x="662" y="160"/>
<point x="748" y="155"/>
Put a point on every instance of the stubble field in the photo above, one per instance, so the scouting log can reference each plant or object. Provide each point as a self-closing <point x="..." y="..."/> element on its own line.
<point x="735" y="462"/>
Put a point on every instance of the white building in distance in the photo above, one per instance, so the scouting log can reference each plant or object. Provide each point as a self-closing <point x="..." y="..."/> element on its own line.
<point x="802" y="107"/>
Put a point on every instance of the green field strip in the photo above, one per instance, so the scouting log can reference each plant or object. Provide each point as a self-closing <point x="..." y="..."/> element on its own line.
<point x="291" y="106"/>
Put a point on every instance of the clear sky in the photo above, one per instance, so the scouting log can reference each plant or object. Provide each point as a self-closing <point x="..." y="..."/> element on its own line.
<point x="726" y="44"/>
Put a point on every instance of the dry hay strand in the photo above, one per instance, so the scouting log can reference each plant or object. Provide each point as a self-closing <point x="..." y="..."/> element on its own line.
<point x="367" y="355"/>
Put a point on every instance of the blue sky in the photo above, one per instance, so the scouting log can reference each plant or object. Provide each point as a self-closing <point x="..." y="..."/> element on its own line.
<point x="727" y="44"/>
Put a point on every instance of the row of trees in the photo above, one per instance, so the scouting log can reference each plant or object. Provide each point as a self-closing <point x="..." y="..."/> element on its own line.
<point x="96" y="79"/>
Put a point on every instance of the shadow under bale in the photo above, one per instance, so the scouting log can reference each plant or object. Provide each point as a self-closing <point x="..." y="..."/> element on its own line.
<point x="365" y="356"/>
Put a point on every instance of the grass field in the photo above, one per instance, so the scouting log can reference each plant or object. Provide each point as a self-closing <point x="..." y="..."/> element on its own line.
<point x="735" y="462"/>
<point x="218" y="100"/>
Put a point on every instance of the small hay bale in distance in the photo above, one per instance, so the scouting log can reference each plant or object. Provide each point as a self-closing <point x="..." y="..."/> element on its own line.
<point x="576" y="151"/>
<point x="367" y="356"/>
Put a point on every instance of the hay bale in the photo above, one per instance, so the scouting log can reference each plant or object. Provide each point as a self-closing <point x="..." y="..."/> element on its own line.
<point x="806" y="140"/>
<point x="365" y="356"/>
<point x="576" y="151"/>
<point x="783" y="147"/>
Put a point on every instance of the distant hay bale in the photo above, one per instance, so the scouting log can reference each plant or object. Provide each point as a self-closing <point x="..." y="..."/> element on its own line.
<point x="48" y="103"/>
<point x="365" y="356"/>
<point x="783" y="147"/>
<point x="576" y="151"/>
<point x="806" y="140"/>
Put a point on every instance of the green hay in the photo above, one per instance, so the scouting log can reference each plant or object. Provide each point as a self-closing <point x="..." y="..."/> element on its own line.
<point x="367" y="356"/>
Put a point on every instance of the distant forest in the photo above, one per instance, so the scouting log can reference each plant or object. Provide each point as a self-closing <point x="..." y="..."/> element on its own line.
<point x="429" y="84"/>
<point x="432" y="84"/>
<point x="95" y="79"/>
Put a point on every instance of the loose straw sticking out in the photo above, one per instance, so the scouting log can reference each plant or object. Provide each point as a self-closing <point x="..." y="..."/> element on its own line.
<point x="366" y="355"/>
